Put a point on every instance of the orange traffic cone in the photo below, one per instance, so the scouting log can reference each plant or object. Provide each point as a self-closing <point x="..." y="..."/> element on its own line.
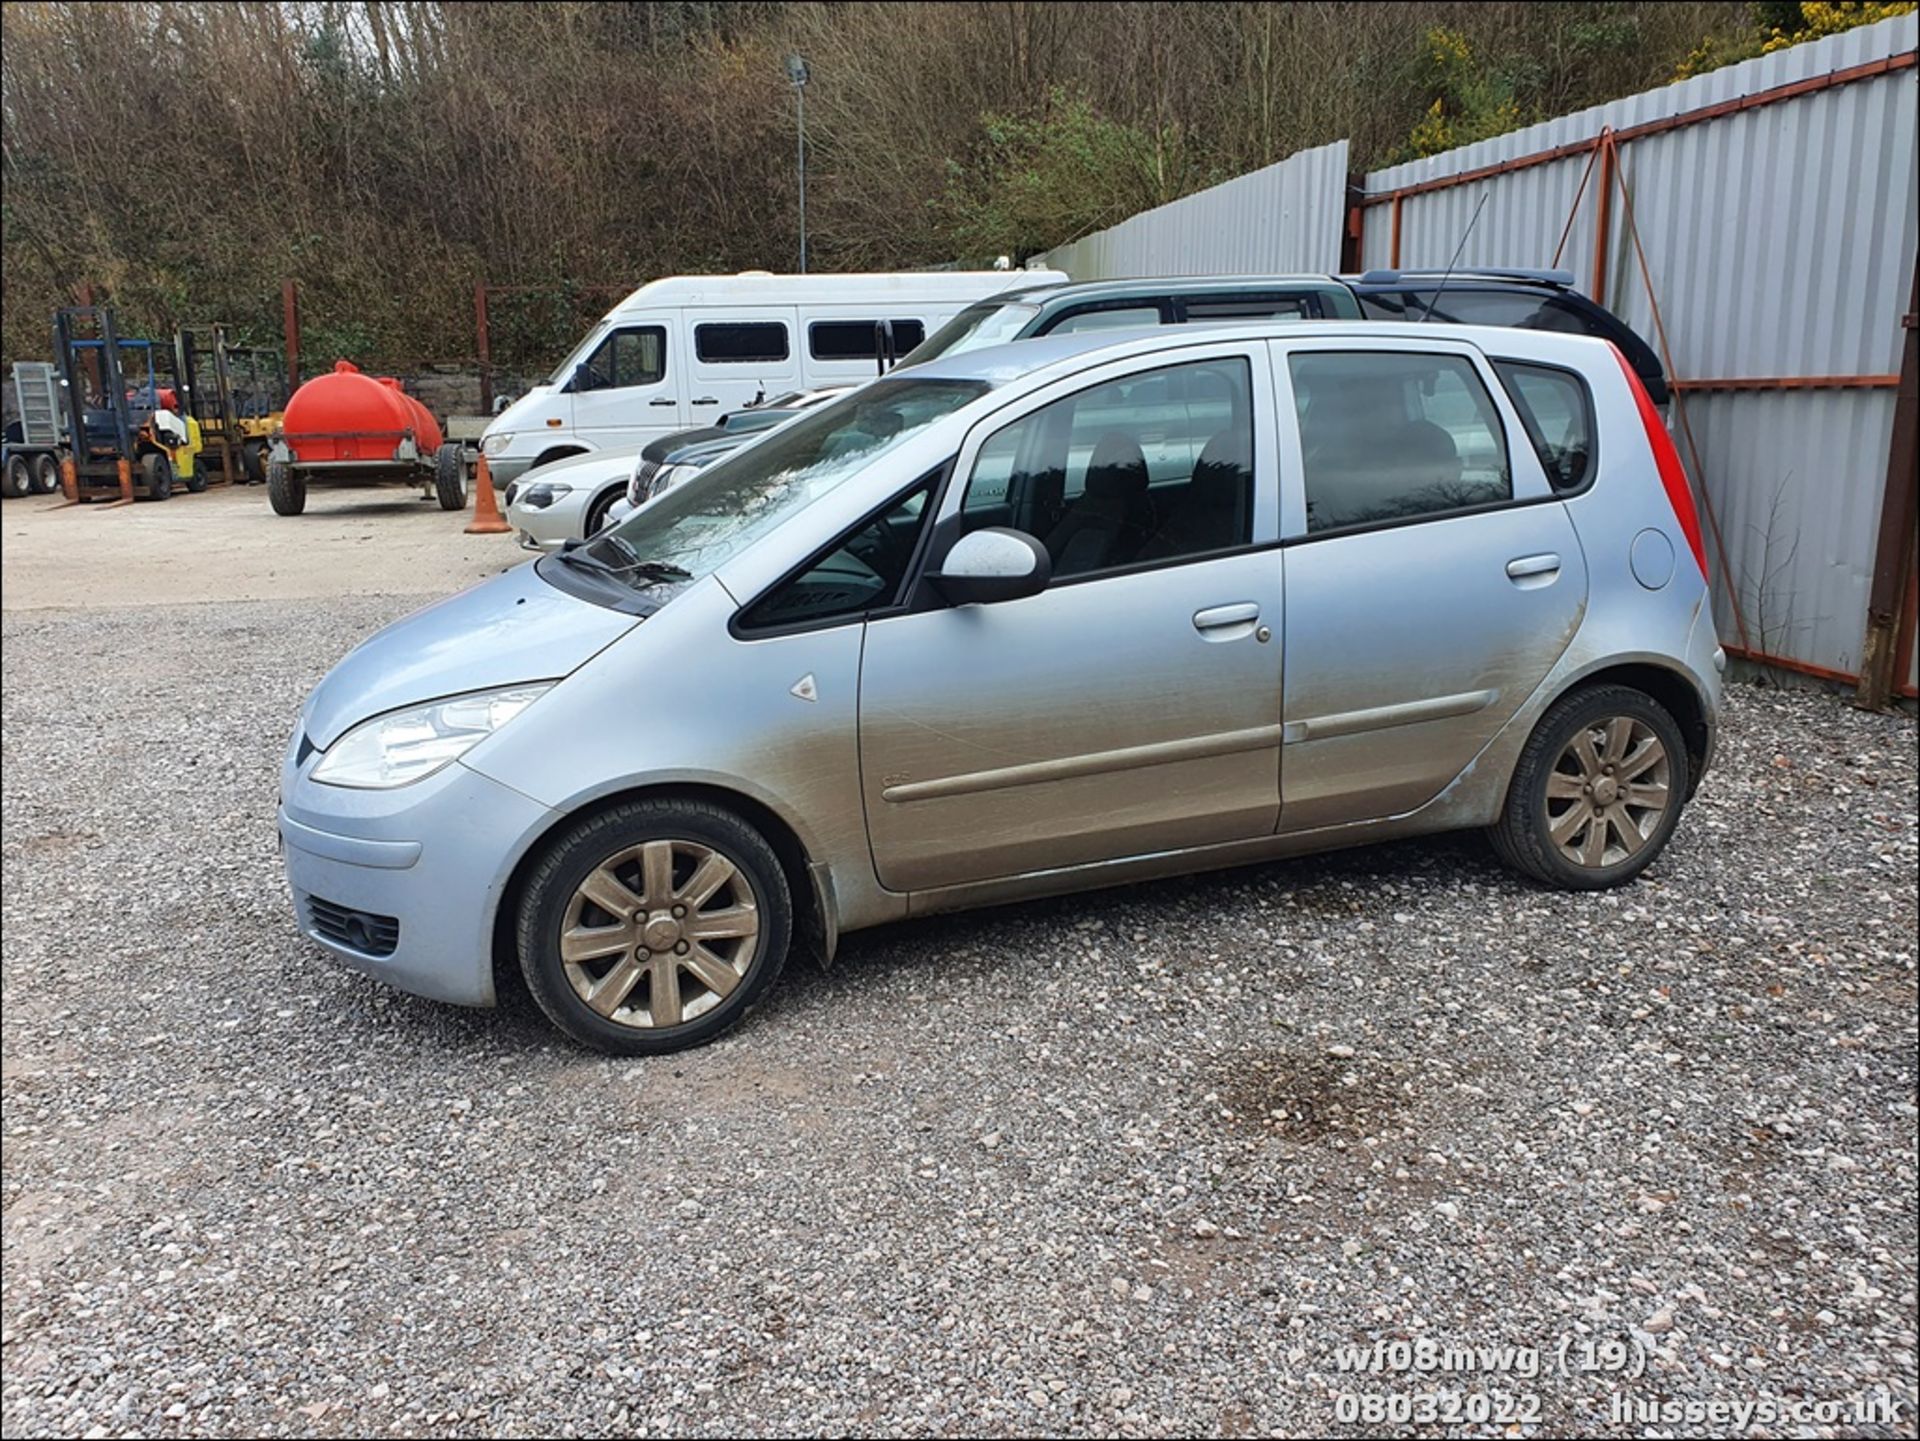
<point x="487" y="519"/>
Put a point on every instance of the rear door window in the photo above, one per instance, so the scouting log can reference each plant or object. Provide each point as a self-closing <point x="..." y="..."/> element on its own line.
<point x="1557" y="411"/>
<point x="858" y="339"/>
<point x="740" y="342"/>
<point x="1390" y="436"/>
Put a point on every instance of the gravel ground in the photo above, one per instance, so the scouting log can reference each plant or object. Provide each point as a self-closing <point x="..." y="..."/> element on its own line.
<point x="1136" y="1161"/>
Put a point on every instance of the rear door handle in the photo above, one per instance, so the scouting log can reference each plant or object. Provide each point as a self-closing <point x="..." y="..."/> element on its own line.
<point x="705" y="400"/>
<point x="1532" y="565"/>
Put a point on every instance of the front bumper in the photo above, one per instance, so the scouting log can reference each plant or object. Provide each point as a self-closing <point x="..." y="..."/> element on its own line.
<point x="404" y="884"/>
<point x="548" y="527"/>
<point x="506" y="469"/>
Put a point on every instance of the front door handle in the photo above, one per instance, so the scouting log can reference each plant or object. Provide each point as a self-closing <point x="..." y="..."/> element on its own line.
<point x="704" y="400"/>
<point x="1528" y="567"/>
<point x="663" y="400"/>
<point x="1227" y="622"/>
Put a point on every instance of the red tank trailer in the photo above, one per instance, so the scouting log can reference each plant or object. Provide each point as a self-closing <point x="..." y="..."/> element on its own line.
<point x="346" y="428"/>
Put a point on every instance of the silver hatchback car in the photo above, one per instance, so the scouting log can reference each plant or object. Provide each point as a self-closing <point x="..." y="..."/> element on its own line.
<point x="1020" y="621"/>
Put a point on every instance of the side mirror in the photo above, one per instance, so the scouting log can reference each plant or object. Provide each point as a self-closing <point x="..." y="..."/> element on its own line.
<point x="991" y="565"/>
<point x="583" y="378"/>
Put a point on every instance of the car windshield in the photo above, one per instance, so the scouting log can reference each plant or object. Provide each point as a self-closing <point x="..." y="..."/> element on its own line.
<point x="696" y="528"/>
<point x="990" y="322"/>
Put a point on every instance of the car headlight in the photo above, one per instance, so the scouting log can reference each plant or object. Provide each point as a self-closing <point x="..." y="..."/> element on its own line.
<point x="409" y="745"/>
<point x="496" y="444"/>
<point x="539" y="497"/>
<point x="673" y="475"/>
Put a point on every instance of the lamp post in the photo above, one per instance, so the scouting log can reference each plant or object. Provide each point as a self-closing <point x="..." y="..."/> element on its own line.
<point x="797" y="77"/>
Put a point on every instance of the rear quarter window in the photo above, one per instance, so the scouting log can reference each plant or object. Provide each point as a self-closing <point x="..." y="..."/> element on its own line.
<point x="1556" y="408"/>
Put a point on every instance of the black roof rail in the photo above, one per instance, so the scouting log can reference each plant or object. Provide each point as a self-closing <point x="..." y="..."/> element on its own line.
<point x="1563" y="278"/>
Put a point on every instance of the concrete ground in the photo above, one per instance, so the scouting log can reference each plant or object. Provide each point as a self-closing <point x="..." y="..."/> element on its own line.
<point x="226" y="544"/>
<point x="1194" y="1157"/>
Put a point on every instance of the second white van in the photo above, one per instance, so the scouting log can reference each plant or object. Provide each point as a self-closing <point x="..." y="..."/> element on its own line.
<point x="682" y="350"/>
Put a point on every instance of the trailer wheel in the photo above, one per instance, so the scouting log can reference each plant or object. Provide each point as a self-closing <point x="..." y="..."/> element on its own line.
<point x="286" y="491"/>
<point x="450" y="475"/>
<point x="46" y="473"/>
<point x="156" y="475"/>
<point x="253" y="462"/>
<point x="18" y="479"/>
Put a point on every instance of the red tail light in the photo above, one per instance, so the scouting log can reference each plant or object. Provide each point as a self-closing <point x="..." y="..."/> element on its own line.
<point x="1672" y="476"/>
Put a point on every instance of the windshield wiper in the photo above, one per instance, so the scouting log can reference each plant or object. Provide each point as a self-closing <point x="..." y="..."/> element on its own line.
<point x="575" y="553"/>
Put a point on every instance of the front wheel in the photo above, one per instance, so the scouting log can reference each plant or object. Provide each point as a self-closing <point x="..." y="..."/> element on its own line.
<point x="654" y="926"/>
<point x="450" y="476"/>
<point x="1597" y="791"/>
<point x="156" y="475"/>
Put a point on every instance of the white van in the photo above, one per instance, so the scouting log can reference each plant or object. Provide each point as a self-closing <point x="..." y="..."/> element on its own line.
<point x="685" y="350"/>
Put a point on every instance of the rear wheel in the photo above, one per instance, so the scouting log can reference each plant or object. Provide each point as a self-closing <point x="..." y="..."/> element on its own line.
<point x="286" y="491"/>
<point x="450" y="476"/>
<point x="156" y="475"/>
<point x="1597" y="792"/>
<point x="196" y="481"/>
<point x="253" y="462"/>
<point x="46" y="473"/>
<point x="18" y="479"/>
<point x="654" y="926"/>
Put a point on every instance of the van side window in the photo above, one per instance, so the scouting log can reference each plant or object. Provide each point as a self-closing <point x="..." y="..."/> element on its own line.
<point x="1557" y="411"/>
<point x="1388" y="436"/>
<point x="1151" y="467"/>
<point x="741" y="342"/>
<point x="636" y="355"/>
<point x="862" y="571"/>
<point x="856" y="339"/>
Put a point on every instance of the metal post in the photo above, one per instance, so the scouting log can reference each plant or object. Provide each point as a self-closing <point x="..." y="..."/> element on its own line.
<point x="797" y="76"/>
<point x="1603" y="219"/>
<point x="1352" y="240"/>
<point x="290" y="319"/>
<point x="1880" y="649"/>
<point x="1393" y="238"/>
<point x="800" y="95"/>
<point x="483" y="345"/>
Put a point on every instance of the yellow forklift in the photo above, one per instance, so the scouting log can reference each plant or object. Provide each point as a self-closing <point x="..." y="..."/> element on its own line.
<point x="236" y="395"/>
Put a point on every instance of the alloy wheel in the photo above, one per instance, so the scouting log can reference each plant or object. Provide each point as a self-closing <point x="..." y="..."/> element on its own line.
<point x="659" y="934"/>
<point x="1608" y="791"/>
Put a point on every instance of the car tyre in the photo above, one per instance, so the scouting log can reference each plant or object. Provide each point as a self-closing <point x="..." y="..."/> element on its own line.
<point x="597" y="512"/>
<point x="286" y="491"/>
<point x="156" y="475"/>
<point x="1597" y="791"/>
<point x="450" y="476"/>
<point x="651" y="911"/>
<point x="18" y="479"/>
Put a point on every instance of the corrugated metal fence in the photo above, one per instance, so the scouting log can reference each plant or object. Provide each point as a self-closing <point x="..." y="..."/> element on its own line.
<point x="1282" y="218"/>
<point x="1775" y="204"/>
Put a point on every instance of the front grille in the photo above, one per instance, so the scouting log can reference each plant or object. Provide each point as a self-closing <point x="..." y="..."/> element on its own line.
<point x="356" y="930"/>
<point x="640" y="487"/>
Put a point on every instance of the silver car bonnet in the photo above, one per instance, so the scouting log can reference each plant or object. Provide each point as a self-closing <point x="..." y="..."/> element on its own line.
<point x="503" y="631"/>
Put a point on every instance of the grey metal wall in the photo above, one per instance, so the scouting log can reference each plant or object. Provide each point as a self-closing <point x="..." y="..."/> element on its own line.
<point x="1286" y="217"/>
<point x="1781" y="242"/>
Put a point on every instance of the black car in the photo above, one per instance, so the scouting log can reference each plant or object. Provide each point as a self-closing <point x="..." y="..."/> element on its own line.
<point x="1523" y="299"/>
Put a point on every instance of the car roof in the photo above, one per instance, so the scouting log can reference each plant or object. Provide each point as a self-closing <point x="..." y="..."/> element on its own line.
<point x="1072" y="290"/>
<point x="999" y="364"/>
